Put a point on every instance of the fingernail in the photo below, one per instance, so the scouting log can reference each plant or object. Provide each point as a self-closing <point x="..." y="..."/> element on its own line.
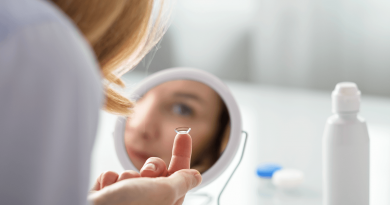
<point x="198" y="177"/>
<point x="150" y="167"/>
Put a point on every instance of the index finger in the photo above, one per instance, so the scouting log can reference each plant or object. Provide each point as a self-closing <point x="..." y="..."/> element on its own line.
<point x="181" y="153"/>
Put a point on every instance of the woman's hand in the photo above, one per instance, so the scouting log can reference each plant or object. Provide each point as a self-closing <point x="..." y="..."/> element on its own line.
<point x="155" y="184"/>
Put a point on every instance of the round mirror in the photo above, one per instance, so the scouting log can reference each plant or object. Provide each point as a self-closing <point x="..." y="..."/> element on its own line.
<point x="181" y="97"/>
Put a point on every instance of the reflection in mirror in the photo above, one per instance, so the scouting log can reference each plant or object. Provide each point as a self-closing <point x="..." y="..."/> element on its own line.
<point x="150" y="131"/>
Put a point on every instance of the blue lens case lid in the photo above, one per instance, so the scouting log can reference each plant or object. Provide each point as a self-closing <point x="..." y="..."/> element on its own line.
<point x="266" y="170"/>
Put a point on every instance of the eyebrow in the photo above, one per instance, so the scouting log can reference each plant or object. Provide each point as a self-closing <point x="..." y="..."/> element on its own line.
<point x="189" y="96"/>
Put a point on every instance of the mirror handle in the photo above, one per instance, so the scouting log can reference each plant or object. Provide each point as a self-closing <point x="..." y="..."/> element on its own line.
<point x="242" y="155"/>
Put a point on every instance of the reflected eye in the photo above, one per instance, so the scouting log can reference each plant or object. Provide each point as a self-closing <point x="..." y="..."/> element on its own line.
<point x="182" y="109"/>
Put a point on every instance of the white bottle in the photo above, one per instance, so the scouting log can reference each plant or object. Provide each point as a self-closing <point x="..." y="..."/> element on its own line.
<point x="346" y="150"/>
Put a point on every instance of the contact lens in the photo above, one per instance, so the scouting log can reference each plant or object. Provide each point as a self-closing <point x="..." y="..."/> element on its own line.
<point x="182" y="130"/>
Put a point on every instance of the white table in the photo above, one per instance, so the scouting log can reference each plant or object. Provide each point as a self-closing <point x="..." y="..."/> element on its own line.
<point x="285" y="126"/>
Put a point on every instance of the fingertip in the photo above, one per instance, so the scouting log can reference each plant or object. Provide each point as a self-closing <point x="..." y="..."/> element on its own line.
<point x="149" y="170"/>
<point x="129" y="174"/>
<point x="197" y="176"/>
<point x="186" y="179"/>
<point x="154" y="167"/>
<point x="108" y="178"/>
<point x="97" y="185"/>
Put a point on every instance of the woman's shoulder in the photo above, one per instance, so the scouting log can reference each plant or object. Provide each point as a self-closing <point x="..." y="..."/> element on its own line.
<point x="19" y="15"/>
<point x="37" y="39"/>
<point x="35" y="30"/>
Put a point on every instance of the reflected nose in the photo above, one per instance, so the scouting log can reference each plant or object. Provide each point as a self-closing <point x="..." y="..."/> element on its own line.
<point x="147" y="118"/>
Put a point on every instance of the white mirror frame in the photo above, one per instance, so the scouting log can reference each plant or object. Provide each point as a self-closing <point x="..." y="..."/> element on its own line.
<point x="200" y="76"/>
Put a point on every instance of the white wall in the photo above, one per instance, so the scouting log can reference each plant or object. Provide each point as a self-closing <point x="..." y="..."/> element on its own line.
<point x="317" y="43"/>
<point x="301" y="43"/>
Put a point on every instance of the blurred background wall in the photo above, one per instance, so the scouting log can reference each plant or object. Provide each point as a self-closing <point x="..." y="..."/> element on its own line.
<point x="297" y="43"/>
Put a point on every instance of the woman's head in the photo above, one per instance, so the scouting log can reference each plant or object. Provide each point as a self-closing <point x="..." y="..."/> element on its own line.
<point x="181" y="103"/>
<point x="121" y="32"/>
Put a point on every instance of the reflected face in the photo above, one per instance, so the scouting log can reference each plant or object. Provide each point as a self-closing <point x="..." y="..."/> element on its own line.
<point x="150" y="131"/>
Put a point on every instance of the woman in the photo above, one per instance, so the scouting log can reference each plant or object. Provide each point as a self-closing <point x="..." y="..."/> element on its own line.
<point x="179" y="103"/>
<point x="54" y="56"/>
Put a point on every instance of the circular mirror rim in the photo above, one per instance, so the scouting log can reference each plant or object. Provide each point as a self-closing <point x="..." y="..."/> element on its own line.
<point x="217" y="85"/>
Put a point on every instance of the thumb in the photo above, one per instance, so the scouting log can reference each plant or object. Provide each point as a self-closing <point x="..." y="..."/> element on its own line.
<point x="185" y="180"/>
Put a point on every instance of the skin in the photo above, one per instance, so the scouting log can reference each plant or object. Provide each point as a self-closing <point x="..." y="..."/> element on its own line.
<point x="155" y="184"/>
<point x="180" y="103"/>
<point x="151" y="132"/>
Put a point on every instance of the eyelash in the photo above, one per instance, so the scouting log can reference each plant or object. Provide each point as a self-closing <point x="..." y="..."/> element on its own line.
<point x="179" y="108"/>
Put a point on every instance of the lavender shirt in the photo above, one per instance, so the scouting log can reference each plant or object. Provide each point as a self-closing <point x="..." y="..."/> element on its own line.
<point x="50" y="96"/>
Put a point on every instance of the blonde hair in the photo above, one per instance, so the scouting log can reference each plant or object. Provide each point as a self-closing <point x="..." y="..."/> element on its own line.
<point x="121" y="33"/>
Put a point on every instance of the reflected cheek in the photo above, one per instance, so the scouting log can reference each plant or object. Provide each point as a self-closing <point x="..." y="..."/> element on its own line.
<point x="137" y="120"/>
<point x="143" y="112"/>
<point x="201" y="141"/>
<point x="132" y="134"/>
<point x="165" y="146"/>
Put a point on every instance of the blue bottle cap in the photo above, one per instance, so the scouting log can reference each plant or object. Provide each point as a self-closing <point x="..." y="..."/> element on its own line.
<point x="266" y="170"/>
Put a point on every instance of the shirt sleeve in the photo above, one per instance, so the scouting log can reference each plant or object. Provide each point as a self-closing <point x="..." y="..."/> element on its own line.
<point x="50" y="96"/>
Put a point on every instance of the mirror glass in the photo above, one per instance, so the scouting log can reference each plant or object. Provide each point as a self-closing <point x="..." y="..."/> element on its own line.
<point x="150" y="131"/>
